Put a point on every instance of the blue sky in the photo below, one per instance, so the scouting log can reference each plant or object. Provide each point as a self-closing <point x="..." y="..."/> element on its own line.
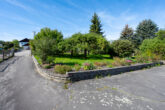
<point x="19" y="18"/>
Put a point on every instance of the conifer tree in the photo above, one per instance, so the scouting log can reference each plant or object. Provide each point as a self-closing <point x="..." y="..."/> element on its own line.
<point x="96" y="26"/>
<point x="127" y="33"/>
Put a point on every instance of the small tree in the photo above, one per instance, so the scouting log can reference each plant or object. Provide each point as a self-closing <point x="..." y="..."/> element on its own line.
<point x="96" y="26"/>
<point x="155" y="46"/>
<point x="127" y="33"/>
<point x="47" y="32"/>
<point x="43" y="48"/>
<point x="161" y="34"/>
<point x="16" y="44"/>
<point x="146" y="30"/>
<point x="71" y="44"/>
<point x="54" y="35"/>
<point x="123" y="48"/>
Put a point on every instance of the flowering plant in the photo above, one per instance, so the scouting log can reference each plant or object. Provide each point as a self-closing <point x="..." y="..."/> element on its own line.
<point x="88" y="66"/>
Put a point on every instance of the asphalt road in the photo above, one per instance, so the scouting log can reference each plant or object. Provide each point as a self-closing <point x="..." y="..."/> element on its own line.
<point x="22" y="88"/>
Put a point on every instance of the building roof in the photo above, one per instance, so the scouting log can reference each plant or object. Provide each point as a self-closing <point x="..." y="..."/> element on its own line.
<point x="26" y="44"/>
<point x="24" y="40"/>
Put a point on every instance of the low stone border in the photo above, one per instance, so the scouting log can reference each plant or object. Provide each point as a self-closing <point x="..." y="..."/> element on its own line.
<point x="48" y="74"/>
<point x="90" y="74"/>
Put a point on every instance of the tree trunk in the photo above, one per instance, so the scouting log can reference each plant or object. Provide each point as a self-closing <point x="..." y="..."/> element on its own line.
<point x="72" y="53"/>
<point x="88" y="52"/>
<point x="85" y="53"/>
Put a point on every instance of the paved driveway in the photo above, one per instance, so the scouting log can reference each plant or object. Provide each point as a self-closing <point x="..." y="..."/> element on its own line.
<point x="22" y="88"/>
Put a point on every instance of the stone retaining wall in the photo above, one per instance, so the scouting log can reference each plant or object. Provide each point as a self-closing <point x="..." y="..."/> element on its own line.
<point x="82" y="75"/>
<point x="48" y="74"/>
<point x="90" y="74"/>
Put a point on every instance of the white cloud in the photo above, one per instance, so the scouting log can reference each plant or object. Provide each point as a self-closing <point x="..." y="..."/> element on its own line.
<point x="19" y="4"/>
<point x="112" y="25"/>
<point x="9" y="36"/>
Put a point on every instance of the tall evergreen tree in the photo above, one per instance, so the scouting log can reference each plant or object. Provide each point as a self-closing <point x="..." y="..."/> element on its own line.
<point x="96" y="26"/>
<point x="127" y="33"/>
<point x="146" y="30"/>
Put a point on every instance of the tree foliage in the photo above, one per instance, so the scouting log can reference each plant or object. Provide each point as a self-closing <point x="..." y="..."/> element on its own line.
<point x="47" y="42"/>
<point x="8" y="45"/>
<point x="47" y="32"/>
<point x="86" y="43"/>
<point x="145" y="30"/>
<point x="43" y="48"/>
<point x="96" y="26"/>
<point x="123" y="48"/>
<point x="154" y="46"/>
<point x="16" y="44"/>
<point x="161" y="34"/>
<point x="127" y="33"/>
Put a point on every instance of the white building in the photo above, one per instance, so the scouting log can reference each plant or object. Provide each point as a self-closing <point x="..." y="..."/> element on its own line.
<point x="24" y="43"/>
<point x="1" y="46"/>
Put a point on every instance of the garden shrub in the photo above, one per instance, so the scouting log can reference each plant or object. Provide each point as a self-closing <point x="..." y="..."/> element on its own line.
<point x="46" y="43"/>
<point x="147" y="57"/>
<point x="77" y="67"/>
<point x="154" y="46"/>
<point x="119" y="61"/>
<point x="47" y="66"/>
<point x="43" y="48"/>
<point x="128" y="62"/>
<point x="110" y="66"/>
<point x="100" y="64"/>
<point x="50" y="60"/>
<point x="62" y="69"/>
<point x="88" y="66"/>
<point x="123" y="48"/>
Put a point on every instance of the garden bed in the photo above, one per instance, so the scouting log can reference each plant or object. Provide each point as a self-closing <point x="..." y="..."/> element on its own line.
<point x="89" y="74"/>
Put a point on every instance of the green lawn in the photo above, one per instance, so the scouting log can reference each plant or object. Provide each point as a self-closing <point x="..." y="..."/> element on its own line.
<point x="68" y="60"/>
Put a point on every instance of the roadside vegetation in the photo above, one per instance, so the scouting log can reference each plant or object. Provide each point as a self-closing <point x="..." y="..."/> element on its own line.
<point x="88" y="51"/>
<point x="8" y="45"/>
<point x="7" y="49"/>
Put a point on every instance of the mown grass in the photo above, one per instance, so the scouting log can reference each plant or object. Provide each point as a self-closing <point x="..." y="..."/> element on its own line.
<point x="71" y="61"/>
<point x="68" y="60"/>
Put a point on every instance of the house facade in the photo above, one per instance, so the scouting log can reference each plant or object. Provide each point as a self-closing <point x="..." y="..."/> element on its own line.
<point x="1" y="46"/>
<point x="24" y="43"/>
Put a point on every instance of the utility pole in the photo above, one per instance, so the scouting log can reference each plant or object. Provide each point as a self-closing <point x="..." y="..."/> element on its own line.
<point x="34" y="33"/>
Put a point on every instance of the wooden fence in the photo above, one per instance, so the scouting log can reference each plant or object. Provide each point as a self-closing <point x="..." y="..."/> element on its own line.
<point x="5" y="54"/>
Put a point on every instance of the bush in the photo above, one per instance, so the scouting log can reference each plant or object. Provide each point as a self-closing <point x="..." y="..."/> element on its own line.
<point x="62" y="69"/>
<point x="128" y="62"/>
<point x="88" y="66"/>
<point x="154" y="46"/>
<point x="100" y="64"/>
<point x="46" y="43"/>
<point x="77" y="67"/>
<point x="123" y="48"/>
<point x="43" y="48"/>
<point x="119" y="62"/>
<point x="50" y="60"/>
<point x="47" y="66"/>
<point x="147" y="57"/>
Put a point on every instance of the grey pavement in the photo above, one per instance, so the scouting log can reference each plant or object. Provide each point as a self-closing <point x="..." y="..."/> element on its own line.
<point x="22" y="88"/>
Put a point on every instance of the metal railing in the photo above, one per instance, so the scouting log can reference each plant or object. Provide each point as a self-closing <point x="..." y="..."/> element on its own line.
<point x="5" y="54"/>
